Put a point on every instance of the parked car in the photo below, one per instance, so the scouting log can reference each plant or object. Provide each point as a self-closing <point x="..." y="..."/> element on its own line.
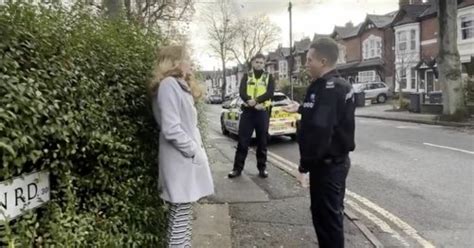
<point x="281" y="122"/>
<point x="215" y="99"/>
<point x="378" y="91"/>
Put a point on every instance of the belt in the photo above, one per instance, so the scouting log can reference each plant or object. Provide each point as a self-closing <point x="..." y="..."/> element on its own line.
<point x="245" y="106"/>
<point x="335" y="160"/>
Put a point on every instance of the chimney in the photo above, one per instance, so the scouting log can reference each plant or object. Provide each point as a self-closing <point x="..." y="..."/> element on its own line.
<point x="349" y="25"/>
<point x="402" y="3"/>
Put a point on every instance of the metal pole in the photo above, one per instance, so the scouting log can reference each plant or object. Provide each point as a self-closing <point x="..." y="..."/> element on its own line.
<point x="291" y="52"/>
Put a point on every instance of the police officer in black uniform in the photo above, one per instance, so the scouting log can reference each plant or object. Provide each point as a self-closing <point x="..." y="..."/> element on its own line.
<point x="326" y="137"/>
<point x="256" y="90"/>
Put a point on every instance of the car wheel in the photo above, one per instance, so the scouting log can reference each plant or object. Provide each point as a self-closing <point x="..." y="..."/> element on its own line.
<point x="223" y="129"/>
<point x="382" y="98"/>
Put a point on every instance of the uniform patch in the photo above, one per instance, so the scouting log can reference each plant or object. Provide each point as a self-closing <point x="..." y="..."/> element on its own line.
<point x="308" y="105"/>
<point x="329" y="85"/>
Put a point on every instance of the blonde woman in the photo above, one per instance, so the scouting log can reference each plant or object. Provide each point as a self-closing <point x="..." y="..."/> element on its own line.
<point x="184" y="174"/>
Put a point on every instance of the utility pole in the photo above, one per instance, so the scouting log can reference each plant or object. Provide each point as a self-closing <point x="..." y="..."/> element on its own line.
<point x="290" y="66"/>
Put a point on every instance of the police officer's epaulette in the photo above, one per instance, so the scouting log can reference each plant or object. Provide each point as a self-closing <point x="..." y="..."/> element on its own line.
<point x="337" y="82"/>
<point x="330" y="84"/>
<point x="343" y="86"/>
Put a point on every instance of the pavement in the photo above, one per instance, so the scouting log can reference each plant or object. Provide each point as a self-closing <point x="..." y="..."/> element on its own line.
<point x="253" y="212"/>
<point x="385" y="112"/>
<point x="410" y="185"/>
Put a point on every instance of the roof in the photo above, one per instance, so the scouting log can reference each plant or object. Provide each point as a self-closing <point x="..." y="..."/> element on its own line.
<point x="426" y="63"/>
<point x="319" y="36"/>
<point x="380" y="21"/>
<point x="410" y="13"/>
<point x="283" y="51"/>
<point x="361" y="64"/>
<point x="347" y="65"/>
<point x="302" y="45"/>
<point x="347" y="31"/>
<point x="432" y="11"/>
<point x="371" y="62"/>
<point x="273" y="56"/>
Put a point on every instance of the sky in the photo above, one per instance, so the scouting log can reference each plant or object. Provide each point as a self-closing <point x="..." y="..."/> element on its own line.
<point x="309" y="17"/>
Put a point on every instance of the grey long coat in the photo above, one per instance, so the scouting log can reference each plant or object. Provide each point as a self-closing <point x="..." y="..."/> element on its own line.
<point x="184" y="170"/>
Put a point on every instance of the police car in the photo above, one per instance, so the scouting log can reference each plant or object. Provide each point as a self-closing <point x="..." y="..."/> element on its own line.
<point x="281" y="122"/>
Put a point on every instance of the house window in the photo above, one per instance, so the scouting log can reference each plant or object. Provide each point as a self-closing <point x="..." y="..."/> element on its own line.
<point x="283" y="69"/>
<point x="366" y="50"/>
<point x="298" y="63"/>
<point x="342" y="54"/>
<point x="372" y="47"/>
<point x="412" y="39"/>
<point x="379" y="49"/>
<point x="407" y="40"/>
<point x="413" y="78"/>
<point x="467" y="27"/>
<point x="366" y="76"/>
<point x="402" y="40"/>
<point x="403" y="79"/>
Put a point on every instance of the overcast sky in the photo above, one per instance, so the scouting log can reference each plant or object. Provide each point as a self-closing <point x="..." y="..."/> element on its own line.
<point x="309" y="17"/>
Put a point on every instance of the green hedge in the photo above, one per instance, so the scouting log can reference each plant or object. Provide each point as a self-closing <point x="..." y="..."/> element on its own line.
<point x="73" y="101"/>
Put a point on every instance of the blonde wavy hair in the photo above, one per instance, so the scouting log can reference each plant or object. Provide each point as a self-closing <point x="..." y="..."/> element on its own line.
<point x="168" y="63"/>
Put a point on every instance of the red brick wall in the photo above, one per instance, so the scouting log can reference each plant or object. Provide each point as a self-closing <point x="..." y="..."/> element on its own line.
<point x="429" y="31"/>
<point x="469" y="2"/>
<point x="388" y="53"/>
<point x="388" y="40"/>
<point x="353" y="49"/>
<point x="373" y="31"/>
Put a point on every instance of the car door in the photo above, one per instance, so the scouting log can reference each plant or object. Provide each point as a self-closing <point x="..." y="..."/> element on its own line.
<point x="230" y="118"/>
<point x="383" y="89"/>
<point x="371" y="91"/>
<point x="238" y="112"/>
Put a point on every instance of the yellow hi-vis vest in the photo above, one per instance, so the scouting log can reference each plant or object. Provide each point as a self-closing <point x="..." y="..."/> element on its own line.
<point x="258" y="87"/>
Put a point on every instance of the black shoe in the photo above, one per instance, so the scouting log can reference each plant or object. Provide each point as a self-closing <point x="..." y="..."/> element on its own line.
<point x="263" y="174"/>
<point x="234" y="173"/>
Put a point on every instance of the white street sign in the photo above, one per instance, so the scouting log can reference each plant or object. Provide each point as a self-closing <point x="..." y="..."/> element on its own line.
<point x="26" y="192"/>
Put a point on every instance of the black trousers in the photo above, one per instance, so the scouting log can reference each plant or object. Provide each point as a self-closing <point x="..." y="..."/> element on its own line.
<point x="327" y="188"/>
<point x="251" y="120"/>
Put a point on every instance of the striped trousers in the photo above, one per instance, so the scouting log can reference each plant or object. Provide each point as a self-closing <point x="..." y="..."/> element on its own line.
<point x="179" y="225"/>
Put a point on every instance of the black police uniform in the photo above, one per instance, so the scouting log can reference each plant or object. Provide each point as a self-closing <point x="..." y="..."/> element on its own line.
<point x="253" y="119"/>
<point x="326" y="137"/>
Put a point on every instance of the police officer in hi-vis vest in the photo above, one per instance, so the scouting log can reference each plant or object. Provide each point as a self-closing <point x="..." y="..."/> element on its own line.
<point x="256" y="90"/>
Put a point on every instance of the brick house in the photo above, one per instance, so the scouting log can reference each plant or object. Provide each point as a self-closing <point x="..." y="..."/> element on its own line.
<point x="301" y="48"/>
<point x="351" y="55"/>
<point x="427" y="67"/>
<point x="423" y="76"/>
<point x="272" y="64"/>
<point x="283" y="54"/>
<point x="466" y="34"/>
<point x="376" y="37"/>
<point x="407" y="45"/>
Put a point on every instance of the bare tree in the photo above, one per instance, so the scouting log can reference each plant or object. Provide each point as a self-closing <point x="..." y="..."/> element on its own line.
<point x="449" y="63"/>
<point x="405" y="61"/>
<point x="221" y="33"/>
<point x="150" y="14"/>
<point x="255" y="35"/>
<point x="113" y="8"/>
